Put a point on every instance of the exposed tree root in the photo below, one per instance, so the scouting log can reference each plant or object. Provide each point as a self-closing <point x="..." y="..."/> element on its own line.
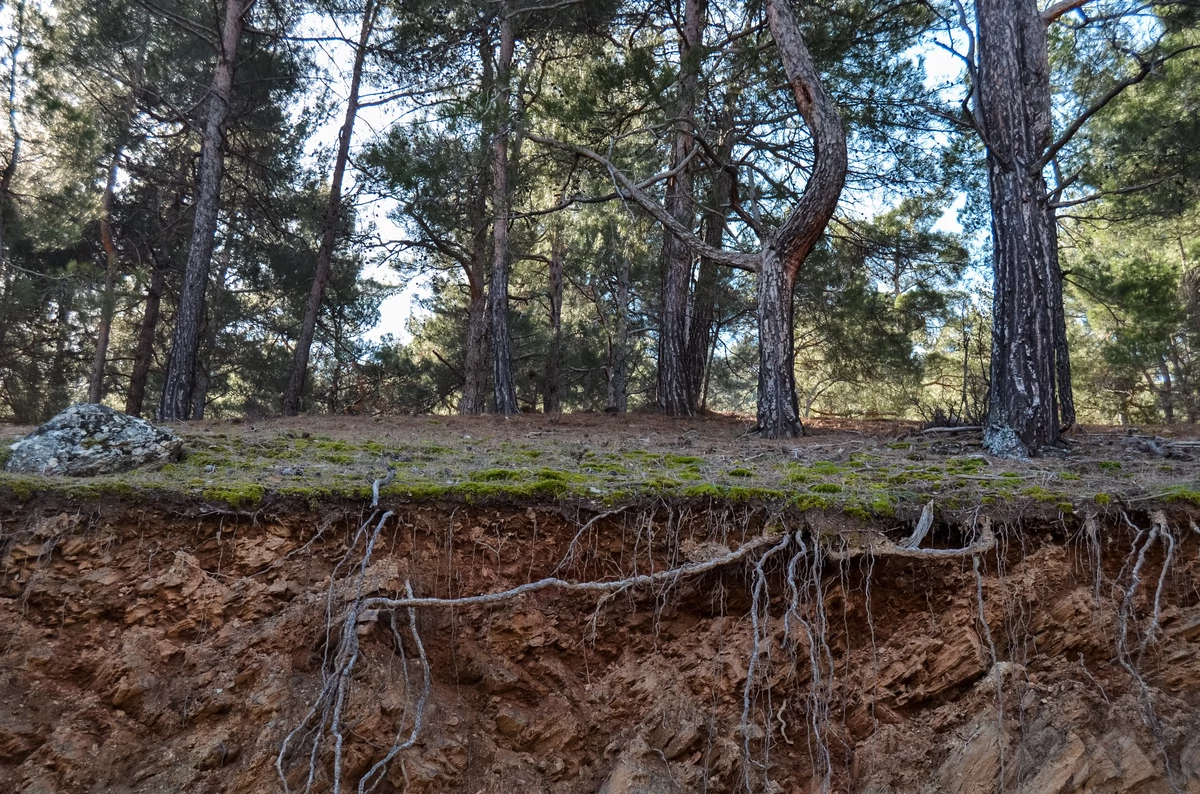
<point x="321" y="732"/>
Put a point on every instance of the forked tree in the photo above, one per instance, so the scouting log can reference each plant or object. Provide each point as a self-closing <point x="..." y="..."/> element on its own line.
<point x="783" y="250"/>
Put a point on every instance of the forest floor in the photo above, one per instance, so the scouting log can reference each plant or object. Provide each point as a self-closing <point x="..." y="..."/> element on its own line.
<point x="615" y="604"/>
<point x="879" y="470"/>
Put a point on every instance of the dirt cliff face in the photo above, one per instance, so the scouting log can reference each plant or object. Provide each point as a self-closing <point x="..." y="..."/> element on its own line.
<point x="154" y="648"/>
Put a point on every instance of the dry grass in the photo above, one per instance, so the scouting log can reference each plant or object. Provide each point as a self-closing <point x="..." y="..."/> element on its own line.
<point x="882" y="470"/>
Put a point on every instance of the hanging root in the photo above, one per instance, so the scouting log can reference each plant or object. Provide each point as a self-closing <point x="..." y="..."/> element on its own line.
<point x="324" y="723"/>
<point x="397" y="746"/>
<point x="759" y="615"/>
<point x="986" y="630"/>
<point x="325" y="715"/>
<point x="1127" y="613"/>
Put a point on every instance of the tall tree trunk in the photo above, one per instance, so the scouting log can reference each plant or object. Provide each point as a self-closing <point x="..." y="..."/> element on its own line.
<point x="108" y="299"/>
<point x="676" y="396"/>
<point x="143" y="358"/>
<point x="1029" y="330"/>
<point x="785" y="250"/>
<point x="552" y="391"/>
<point x="332" y="223"/>
<point x="618" y="354"/>
<point x="701" y="332"/>
<point x="502" y="372"/>
<point x="210" y="329"/>
<point x="58" y="392"/>
<point x="475" y="365"/>
<point x="176" y="402"/>
<point x="10" y="168"/>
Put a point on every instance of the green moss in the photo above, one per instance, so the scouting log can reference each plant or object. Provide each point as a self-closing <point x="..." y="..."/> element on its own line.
<point x="22" y="488"/>
<point x="812" y="501"/>
<point x="1067" y="476"/>
<point x="825" y="468"/>
<point x="966" y="465"/>
<point x="704" y="490"/>
<point x="682" y="460"/>
<point x="236" y="495"/>
<point x="827" y="487"/>
<point x="1102" y="499"/>
<point x="341" y="460"/>
<point x="899" y="445"/>
<point x="497" y="475"/>
<point x="614" y="469"/>
<point x="1040" y="494"/>
<point x="374" y="448"/>
<point x="1181" y="493"/>
<point x="556" y="475"/>
<point x="856" y="510"/>
<point x="740" y="472"/>
<point x="1109" y="465"/>
<point x="741" y="493"/>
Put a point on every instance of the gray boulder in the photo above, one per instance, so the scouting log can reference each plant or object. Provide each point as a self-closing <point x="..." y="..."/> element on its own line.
<point x="92" y="439"/>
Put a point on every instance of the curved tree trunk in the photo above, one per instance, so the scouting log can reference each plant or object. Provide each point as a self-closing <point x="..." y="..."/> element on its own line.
<point x="332" y="222"/>
<point x="785" y="250"/>
<point x="176" y="402"/>
<point x="1028" y="335"/>
<point x="502" y="373"/>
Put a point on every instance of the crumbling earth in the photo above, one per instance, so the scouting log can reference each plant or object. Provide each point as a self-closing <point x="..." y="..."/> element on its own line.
<point x="151" y="647"/>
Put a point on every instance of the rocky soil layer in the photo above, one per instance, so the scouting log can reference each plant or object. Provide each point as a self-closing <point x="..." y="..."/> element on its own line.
<point x="154" y="648"/>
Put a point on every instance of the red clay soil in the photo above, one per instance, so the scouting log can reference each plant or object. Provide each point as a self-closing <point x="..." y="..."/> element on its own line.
<point x="150" y="648"/>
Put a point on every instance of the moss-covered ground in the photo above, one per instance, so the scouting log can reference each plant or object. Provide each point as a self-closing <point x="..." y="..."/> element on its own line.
<point x="878" y="471"/>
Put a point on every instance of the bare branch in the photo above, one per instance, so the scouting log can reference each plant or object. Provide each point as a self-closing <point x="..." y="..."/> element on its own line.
<point x="736" y="259"/>
<point x="1056" y="10"/>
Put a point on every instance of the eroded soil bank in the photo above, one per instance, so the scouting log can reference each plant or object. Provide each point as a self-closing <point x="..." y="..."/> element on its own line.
<point x="157" y="648"/>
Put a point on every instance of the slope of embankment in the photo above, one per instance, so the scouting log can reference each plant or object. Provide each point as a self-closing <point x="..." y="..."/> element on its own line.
<point x="604" y="605"/>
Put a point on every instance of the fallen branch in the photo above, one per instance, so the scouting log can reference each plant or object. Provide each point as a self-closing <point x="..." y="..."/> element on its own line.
<point x="960" y="429"/>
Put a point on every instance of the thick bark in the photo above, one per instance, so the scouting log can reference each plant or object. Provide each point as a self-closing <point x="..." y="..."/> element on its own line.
<point x="502" y="373"/>
<point x="176" y="402"/>
<point x="476" y="369"/>
<point x="552" y="388"/>
<point x="675" y="396"/>
<point x="332" y="222"/>
<point x="785" y="250"/>
<point x="1029" y="329"/>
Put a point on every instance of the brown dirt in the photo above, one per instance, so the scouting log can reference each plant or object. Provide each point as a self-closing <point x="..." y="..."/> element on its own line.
<point x="163" y="648"/>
